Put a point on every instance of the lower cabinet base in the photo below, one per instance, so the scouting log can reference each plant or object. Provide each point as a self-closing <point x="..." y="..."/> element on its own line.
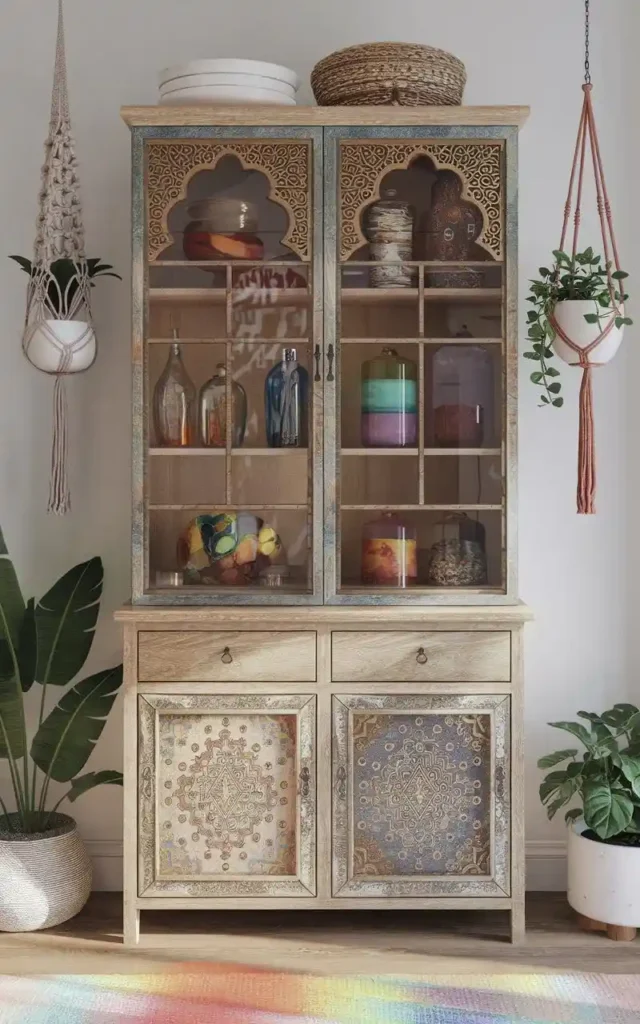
<point x="172" y="937"/>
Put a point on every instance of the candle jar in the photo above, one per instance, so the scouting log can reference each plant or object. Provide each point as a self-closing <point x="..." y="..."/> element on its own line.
<point x="389" y="552"/>
<point x="462" y="396"/>
<point x="389" y="394"/>
<point x="458" y="556"/>
<point x="212" y="411"/>
<point x="222" y="229"/>
<point x="390" y="232"/>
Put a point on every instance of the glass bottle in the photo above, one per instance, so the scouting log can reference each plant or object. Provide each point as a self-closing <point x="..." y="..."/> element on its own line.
<point x="462" y="396"/>
<point x="389" y="552"/>
<point x="285" y="395"/>
<point x="174" y="401"/>
<point x="389" y="395"/>
<point x="458" y="556"/>
<point x="212" y="411"/>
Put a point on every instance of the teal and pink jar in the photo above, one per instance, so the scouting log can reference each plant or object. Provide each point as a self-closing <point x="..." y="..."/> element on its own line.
<point x="389" y="401"/>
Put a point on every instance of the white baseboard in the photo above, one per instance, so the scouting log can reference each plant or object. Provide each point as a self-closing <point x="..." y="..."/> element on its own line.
<point x="546" y="865"/>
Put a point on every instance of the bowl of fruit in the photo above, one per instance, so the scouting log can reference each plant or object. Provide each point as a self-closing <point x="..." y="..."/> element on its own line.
<point x="228" y="549"/>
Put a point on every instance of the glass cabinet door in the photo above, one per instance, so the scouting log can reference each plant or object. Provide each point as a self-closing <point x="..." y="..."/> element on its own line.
<point x="229" y="456"/>
<point x="416" y="466"/>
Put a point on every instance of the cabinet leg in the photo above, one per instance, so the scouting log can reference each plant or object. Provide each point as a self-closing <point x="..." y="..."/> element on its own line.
<point x="131" y="925"/>
<point x="620" y="934"/>
<point x="518" y="923"/>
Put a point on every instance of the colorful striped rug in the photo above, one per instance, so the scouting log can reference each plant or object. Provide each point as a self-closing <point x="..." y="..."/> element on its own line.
<point x="222" y="994"/>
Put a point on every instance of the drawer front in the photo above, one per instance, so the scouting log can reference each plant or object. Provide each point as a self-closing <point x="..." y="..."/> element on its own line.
<point x="195" y="656"/>
<point x="441" y="657"/>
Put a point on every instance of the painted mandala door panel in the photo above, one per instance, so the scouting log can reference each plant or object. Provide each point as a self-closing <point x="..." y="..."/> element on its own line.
<point x="227" y="795"/>
<point x="421" y="795"/>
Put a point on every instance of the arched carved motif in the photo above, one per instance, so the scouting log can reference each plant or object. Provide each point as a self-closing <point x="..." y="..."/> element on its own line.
<point x="363" y="166"/>
<point x="286" y="165"/>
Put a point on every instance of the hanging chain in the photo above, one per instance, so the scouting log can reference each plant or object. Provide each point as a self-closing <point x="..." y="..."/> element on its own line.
<point x="587" y="68"/>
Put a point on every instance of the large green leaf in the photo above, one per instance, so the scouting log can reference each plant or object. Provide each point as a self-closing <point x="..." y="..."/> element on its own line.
<point x="65" y="623"/>
<point x="89" y="781"/>
<point x="11" y="615"/>
<point x="28" y="647"/>
<point x="607" y="811"/>
<point x="576" y="730"/>
<point x="630" y="767"/>
<point x="63" y="743"/>
<point x="551" y="760"/>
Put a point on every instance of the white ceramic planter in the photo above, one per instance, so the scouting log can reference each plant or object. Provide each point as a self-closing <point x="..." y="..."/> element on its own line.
<point x="45" y="878"/>
<point x="44" y="345"/>
<point x="604" y="880"/>
<point x="570" y="314"/>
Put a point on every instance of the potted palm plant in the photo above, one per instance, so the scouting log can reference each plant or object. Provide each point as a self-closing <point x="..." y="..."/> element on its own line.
<point x="63" y="284"/>
<point x="604" y="831"/>
<point x="45" y="872"/>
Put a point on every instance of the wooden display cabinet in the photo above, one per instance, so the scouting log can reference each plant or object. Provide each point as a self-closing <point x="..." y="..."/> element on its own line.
<point x="338" y="739"/>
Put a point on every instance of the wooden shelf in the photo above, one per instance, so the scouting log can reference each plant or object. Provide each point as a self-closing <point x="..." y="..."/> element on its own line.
<point x="218" y="297"/>
<point x="421" y="508"/>
<point x="241" y="264"/>
<point x="230" y="341"/>
<point x="219" y="507"/>
<point x="402" y="296"/>
<point x="389" y="342"/>
<point x="428" y="452"/>
<point x="361" y="588"/>
<point x="221" y="452"/>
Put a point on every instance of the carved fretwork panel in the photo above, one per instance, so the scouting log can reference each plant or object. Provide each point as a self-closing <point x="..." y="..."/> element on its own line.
<point x="364" y="165"/>
<point x="230" y="789"/>
<point x="421" y="794"/>
<point x="287" y="165"/>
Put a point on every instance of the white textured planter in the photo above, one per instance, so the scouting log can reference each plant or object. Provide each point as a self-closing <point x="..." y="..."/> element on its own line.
<point x="44" y="879"/>
<point x="604" y="880"/>
<point x="570" y="315"/>
<point x="46" y="343"/>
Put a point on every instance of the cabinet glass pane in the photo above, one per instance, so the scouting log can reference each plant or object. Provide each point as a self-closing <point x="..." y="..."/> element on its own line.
<point x="420" y="384"/>
<point x="229" y="354"/>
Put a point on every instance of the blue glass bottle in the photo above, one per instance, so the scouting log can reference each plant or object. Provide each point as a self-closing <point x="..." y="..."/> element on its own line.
<point x="286" y="392"/>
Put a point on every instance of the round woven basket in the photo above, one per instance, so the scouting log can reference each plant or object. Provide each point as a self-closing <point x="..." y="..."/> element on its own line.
<point x="45" y="878"/>
<point x="387" y="73"/>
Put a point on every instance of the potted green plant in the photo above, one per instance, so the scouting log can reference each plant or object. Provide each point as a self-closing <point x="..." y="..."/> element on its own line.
<point x="42" y="346"/>
<point x="604" y="831"/>
<point x="45" y="872"/>
<point x="575" y="296"/>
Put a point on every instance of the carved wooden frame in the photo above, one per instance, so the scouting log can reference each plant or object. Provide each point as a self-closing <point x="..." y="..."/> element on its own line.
<point x="499" y="882"/>
<point x="286" y="163"/>
<point x="150" y="707"/>
<point x="364" y="164"/>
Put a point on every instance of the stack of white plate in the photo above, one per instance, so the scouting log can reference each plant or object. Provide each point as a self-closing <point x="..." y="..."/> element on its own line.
<point x="228" y="81"/>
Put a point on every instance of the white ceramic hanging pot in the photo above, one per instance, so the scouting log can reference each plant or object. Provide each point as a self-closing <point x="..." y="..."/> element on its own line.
<point x="604" y="880"/>
<point x="60" y="346"/>
<point x="45" y="878"/>
<point x="570" y="316"/>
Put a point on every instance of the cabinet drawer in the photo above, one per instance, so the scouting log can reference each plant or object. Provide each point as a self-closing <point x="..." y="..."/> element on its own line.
<point x="194" y="656"/>
<point x="394" y="656"/>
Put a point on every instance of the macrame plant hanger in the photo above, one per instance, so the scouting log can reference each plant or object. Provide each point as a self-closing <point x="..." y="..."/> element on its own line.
<point x="587" y="357"/>
<point x="50" y="305"/>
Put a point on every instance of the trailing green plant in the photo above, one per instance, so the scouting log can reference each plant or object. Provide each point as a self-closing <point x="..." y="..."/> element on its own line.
<point x="64" y="282"/>
<point x="584" y="276"/>
<point x="47" y="642"/>
<point x="606" y="779"/>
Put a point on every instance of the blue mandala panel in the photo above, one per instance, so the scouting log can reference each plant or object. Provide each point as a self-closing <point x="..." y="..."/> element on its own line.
<point x="422" y="794"/>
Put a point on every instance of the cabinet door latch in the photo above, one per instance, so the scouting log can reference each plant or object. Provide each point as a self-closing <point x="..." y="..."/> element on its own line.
<point x="341" y="780"/>
<point x="330" y="354"/>
<point x="305" y="778"/>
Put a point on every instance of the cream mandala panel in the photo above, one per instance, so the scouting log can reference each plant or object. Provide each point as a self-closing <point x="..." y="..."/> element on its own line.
<point x="226" y="796"/>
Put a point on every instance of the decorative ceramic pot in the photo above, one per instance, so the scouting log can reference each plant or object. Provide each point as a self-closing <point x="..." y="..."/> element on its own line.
<point x="46" y="344"/>
<point x="45" y="878"/>
<point x="604" y="880"/>
<point x="569" y="314"/>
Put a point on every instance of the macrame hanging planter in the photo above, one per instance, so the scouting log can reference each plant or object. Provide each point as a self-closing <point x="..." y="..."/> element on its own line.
<point x="577" y="341"/>
<point x="59" y="338"/>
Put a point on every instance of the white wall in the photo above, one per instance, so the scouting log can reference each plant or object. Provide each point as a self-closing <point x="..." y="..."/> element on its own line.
<point x="575" y="572"/>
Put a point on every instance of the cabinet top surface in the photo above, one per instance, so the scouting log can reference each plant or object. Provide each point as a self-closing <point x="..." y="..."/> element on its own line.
<point x="177" y="116"/>
<point x="327" y="615"/>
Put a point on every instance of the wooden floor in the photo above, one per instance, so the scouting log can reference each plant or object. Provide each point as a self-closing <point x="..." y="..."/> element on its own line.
<point x="405" y="943"/>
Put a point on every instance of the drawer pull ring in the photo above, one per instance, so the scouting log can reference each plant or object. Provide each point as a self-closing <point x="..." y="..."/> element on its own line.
<point x="341" y="779"/>
<point x="227" y="656"/>
<point x="305" y="778"/>
<point x="421" y="656"/>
